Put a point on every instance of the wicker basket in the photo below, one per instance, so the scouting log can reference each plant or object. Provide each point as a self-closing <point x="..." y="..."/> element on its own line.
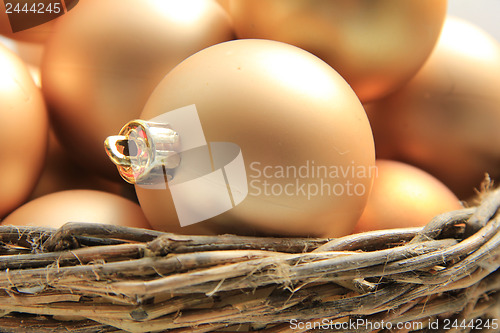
<point x="100" y="278"/>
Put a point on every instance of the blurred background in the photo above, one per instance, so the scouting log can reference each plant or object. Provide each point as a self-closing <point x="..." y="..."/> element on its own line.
<point x="483" y="13"/>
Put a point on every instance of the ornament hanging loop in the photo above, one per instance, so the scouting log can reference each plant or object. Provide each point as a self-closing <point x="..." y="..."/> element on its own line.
<point x="144" y="152"/>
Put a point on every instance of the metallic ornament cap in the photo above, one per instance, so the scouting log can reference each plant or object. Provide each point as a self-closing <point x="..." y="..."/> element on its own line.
<point x="144" y="152"/>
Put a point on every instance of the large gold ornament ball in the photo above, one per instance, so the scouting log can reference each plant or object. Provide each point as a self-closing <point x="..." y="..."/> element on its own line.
<point x="304" y="136"/>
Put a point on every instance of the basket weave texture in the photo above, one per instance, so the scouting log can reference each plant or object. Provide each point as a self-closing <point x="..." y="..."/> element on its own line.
<point x="101" y="278"/>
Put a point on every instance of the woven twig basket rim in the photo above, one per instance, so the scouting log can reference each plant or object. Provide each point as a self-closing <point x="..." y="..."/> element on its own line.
<point x="114" y="278"/>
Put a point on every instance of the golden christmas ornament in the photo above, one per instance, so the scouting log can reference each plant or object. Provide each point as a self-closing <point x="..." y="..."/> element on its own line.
<point x="24" y="132"/>
<point x="106" y="57"/>
<point x="376" y="45"/>
<point x="446" y="120"/>
<point x="298" y="129"/>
